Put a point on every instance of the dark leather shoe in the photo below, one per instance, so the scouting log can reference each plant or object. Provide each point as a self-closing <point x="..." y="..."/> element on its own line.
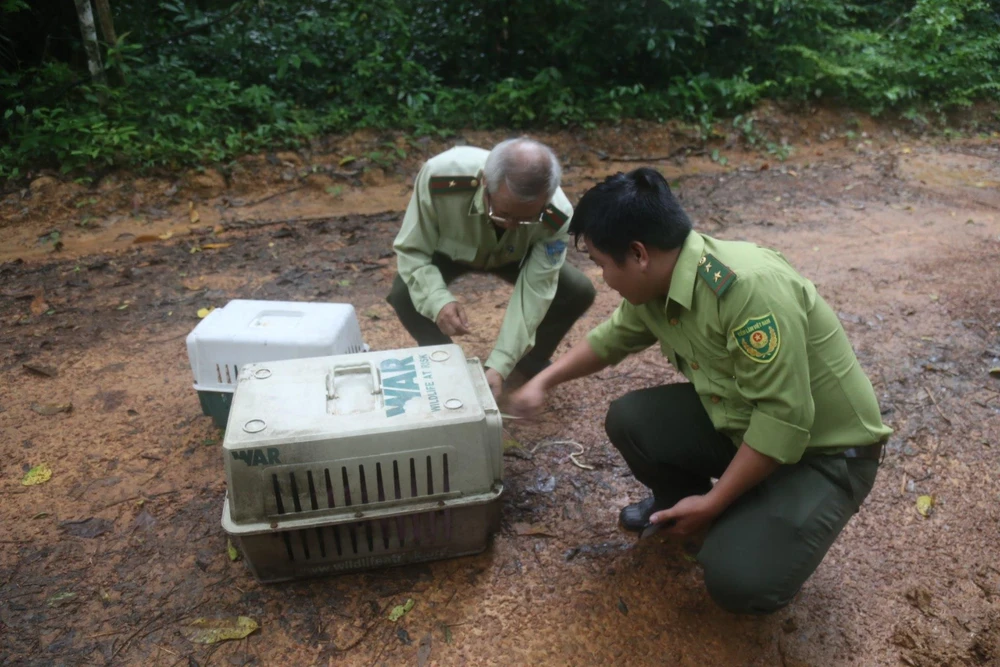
<point x="635" y="517"/>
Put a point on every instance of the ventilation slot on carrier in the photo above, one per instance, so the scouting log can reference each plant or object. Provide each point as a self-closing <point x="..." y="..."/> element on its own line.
<point x="371" y="536"/>
<point x="230" y="377"/>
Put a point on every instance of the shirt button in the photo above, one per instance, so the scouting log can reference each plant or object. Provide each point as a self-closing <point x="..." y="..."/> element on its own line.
<point x="695" y="366"/>
<point x="716" y="399"/>
<point x="674" y="321"/>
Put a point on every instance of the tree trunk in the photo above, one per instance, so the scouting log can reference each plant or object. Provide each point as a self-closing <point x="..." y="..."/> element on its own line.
<point x="110" y="38"/>
<point x="90" y="45"/>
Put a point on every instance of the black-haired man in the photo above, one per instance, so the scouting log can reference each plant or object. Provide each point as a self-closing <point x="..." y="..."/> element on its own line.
<point x="776" y="407"/>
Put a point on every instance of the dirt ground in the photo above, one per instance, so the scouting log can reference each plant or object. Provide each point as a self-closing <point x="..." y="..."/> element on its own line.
<point x="110" y="560"/>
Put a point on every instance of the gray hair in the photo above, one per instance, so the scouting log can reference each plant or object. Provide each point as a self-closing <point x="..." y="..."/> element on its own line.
<point x="527" y="167"/>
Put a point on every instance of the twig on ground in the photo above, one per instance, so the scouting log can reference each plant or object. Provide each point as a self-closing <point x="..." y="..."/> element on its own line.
<point x="266" y="198"/>
<point x="936" y="406"/>
<point x="687" y="148"/>
<point x="356" y="641"/>
<point x="572" y="456"/>
<point x="133" y="635"/>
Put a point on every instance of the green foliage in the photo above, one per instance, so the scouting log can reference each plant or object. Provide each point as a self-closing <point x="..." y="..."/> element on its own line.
<point x="206" y="81"/>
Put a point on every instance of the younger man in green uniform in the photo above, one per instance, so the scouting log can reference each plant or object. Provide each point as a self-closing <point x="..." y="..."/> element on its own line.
<point x="502" y="212"/>
<point x="776" y="406"/>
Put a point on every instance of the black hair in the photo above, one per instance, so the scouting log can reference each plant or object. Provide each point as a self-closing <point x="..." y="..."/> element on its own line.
<point x="637" y="206"/>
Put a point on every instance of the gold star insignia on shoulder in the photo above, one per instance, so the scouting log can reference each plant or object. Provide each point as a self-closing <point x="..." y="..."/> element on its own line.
<point x="719" y="280"/>
<point x="453" y="184"/>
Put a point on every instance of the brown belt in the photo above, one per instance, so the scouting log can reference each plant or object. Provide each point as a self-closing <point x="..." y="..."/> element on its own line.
<point x="871" y="452"/>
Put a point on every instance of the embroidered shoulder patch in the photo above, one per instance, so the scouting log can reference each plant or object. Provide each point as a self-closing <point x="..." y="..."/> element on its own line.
<point x="442" y="185"/>
<point x="758" y="338"/>
<point x="553" y="218"/>
<point x="555" y="250"/>
<point x="718" y="276"/>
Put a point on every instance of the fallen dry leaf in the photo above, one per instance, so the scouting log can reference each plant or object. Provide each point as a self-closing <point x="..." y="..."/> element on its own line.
<point x="925" y="504"/>
<point x="215" y="246"/>
<point x="38" y="305"/>
<point x="214" y="630"/>
<point x="193" y="216"/>
<point x="536" y="529"/>
<point x="39" y="474"/>
<point x="234" y="555"/>
<point x="88" y="528"/>
<point x="203" y="312"/>
<point x="995" y="372"/>
<point x="49" y="409"/>
<point x="146" y="238"/>
<point x="41" y="369"/>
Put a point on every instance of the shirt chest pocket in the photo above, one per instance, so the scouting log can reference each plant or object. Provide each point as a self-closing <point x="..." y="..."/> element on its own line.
<point x="459" y="251"/>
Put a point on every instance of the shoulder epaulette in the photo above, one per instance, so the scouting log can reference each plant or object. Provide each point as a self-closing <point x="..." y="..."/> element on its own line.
<point x="553" y="218"/>
<point x="718" y="276"/>
<point x="441" y="185"/>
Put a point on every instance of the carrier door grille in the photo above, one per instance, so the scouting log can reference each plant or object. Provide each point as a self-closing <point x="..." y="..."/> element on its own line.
<point x="367" y="538"/>
<point x="358" y="483"/>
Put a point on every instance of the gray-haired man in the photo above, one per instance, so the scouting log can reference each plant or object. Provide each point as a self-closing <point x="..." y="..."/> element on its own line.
<point x="500" y="212"/>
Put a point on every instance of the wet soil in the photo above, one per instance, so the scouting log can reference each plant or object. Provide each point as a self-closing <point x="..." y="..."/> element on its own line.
<point x="109" y="561"/>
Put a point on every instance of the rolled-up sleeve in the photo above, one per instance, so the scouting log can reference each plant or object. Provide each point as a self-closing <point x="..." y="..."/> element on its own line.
<point x="766" y="319"/>
<point x="624" y="333"/>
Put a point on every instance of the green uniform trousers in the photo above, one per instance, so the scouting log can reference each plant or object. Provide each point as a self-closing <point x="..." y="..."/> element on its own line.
<point x="574" y="294"/>
<point x="763" y="547"/>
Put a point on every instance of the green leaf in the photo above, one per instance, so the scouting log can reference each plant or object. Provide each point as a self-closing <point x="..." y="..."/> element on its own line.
<point x="59" y="598"/>
<point x="234" y="555"/>
<point x="400" y="610"/>
<point x="39" y="474"/>
<point x="214" y="630"/>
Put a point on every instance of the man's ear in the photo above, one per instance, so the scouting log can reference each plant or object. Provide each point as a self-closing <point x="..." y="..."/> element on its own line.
<point x="638" y="252"/>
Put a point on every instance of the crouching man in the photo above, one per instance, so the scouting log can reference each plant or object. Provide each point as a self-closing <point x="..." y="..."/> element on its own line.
<point x="776" y="406"/>
<point x="501" y="212"/>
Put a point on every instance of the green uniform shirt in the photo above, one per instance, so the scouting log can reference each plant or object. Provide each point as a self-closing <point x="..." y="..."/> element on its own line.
<point x="447" y="214"/>
<point x="768" y="357"/>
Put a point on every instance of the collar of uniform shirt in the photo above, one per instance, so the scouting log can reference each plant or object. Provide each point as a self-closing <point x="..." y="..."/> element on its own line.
<point x="683" y="277"/>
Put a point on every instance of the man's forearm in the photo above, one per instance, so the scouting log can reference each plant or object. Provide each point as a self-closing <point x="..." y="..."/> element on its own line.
<point x="747" y="469"/>
<point x="580" y="361"/>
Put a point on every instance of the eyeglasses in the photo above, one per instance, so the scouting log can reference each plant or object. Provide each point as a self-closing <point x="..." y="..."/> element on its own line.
<point x="507" y="221"/>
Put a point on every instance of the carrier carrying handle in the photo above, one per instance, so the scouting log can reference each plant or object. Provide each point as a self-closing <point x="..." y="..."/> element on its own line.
<point x="331" y="378"/>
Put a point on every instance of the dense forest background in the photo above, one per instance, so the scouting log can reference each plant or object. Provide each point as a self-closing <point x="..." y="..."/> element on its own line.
<point x="192" y="81"/>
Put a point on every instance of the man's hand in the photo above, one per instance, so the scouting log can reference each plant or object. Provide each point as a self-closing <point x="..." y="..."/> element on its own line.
<point x="527" y="401"/>
<point x="494" y="379"/>
<point x="452" y="321"/>
<point x="689" y="516"/>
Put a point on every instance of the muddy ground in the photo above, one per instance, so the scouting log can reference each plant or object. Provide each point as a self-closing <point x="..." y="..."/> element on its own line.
<point x="111" y="559"/>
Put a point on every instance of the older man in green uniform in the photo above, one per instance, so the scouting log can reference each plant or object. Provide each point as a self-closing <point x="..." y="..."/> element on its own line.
<point x="776" y="406"/>
<point x="501" y="212"/>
